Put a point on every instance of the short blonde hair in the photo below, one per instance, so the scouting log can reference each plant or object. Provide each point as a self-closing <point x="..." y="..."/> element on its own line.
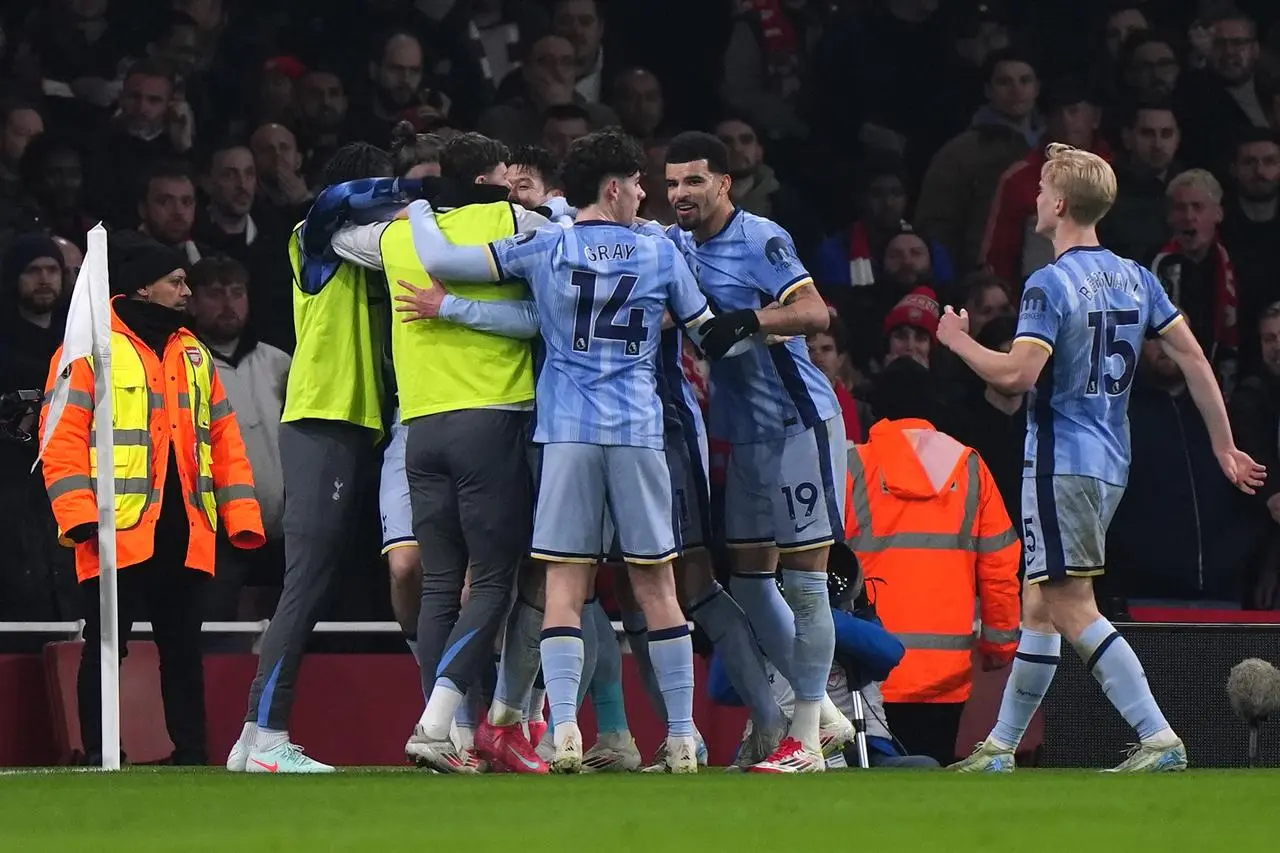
<point x="1197" y="179"/>
<point x="1086" y="182"/>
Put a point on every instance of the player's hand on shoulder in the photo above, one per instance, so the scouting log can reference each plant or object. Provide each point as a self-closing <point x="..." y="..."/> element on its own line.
<point x="952" y="326"/>
<point x="558" y="206"/>
<point x="1244" y="473"/>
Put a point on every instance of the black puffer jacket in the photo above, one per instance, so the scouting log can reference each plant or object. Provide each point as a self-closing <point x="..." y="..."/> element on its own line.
<point x="1182" y="530"/>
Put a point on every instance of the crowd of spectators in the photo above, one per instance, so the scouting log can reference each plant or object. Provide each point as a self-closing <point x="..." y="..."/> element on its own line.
<point x="899" y="141"/>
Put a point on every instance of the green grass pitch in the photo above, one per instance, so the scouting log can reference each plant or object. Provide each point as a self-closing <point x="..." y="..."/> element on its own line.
<point x="877" y="811"/>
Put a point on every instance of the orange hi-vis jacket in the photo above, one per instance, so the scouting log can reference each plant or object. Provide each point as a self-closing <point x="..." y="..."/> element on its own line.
<point x="925" y="518"/>
<point x="155" y="401"/>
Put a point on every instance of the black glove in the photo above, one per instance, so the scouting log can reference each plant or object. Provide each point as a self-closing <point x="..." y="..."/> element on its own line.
<point x="82" y="533"/>
<point x="722" y="331"/>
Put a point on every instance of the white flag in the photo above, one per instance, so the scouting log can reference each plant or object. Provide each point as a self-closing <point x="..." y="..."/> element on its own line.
<point x="88" y="326"/>
<point x="89" y="334"/>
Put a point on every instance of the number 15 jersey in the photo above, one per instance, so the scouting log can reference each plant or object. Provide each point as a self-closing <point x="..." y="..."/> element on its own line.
<point x="601" y="290"/>
<point x="1091" y="310"/>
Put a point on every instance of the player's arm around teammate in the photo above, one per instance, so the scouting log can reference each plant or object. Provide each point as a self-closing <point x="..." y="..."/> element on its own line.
<point x="783" y="501"/>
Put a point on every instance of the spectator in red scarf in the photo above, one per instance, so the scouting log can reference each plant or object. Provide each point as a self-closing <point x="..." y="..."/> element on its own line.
<point x="851" y="258"/>
<point x="1011" y="248"/>
<point x="764" y="63"/>
<point x="1196" y="270"/>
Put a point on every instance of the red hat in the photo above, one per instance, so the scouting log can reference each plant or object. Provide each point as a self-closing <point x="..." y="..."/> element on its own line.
<point x="286" y="66"/>
<point x="918" y="308"/>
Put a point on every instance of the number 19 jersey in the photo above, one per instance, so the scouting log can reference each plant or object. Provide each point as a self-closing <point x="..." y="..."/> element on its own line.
<point x="601" y="290"/>
<point x="1091" y="310"/>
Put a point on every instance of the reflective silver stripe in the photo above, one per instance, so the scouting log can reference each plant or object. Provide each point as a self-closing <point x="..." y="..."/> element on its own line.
<point x="963" y="540"/>
<point x="68" y="484"/>
<point x="204" y="486"/>
<point x="973" y="495"/>
<point x="861" y="499"/>
<point x="937" y="642"/>
<point x="184" y="400"/>
<point x="233" y="493"/>
<point x="80" y="399"/>
<point x="991" y="544"/>
<point x="131" y="436"/>
<point x="155" y="400"/>
<point x="133" y="486"/>
<point x="130" y="486"/>
<point x="921" y="541"/>
<point x="992" y="635"/>
<point x="218" y="411"/>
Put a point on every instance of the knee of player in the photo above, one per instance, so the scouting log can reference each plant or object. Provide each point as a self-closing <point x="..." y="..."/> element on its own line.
<point x="694" y="577"/>
<point x="652" y="581"/>
<point x="806" y="560"/>
<point x="1036" y="614"/>
<point x="1071" y="606"/>
<point x="755" y="559"/>
<point x="405" y="564"/>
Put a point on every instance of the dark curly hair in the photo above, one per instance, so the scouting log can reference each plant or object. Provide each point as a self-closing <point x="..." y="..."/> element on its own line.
<point x="595" y="158"/>
<point x="693" y="145"/>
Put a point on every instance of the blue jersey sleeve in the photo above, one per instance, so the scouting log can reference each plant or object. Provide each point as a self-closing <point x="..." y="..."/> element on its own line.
<point x="510" y="319"/>
<point x="687" y="303"/>
<point x="521" y="255"/>
<point x="1163" y="312"/>
<point x="1040" y="313"/>
<point x="772" y="261"/>
<point x="367" y="200"/>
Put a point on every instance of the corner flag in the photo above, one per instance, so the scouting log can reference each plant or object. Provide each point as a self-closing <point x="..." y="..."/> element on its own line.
<point x="88" y="335"/>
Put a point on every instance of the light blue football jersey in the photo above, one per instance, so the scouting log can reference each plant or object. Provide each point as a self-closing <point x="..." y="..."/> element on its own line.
<point x="769" y="392"/>
<point x="1091" y="309"/>
<point x="601" y="290"/>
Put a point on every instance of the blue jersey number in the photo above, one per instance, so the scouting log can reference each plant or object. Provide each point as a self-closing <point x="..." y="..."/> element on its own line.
<point x="1107" y="342"/>
<point x="589" y="325"/>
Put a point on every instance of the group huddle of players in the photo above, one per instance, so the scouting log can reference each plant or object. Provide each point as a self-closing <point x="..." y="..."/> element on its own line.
<point x="622" y="467"/>
<point x="621" y="439"/>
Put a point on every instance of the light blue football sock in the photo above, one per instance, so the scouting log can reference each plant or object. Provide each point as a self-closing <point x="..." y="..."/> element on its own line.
<point x="1115" y="666"/>
<point x="771" y="619"/>
<point x="671" y="650"/>
<point x="815" y="633"/>
<point x="562" y="655"/>
<point x="1033" y="668"/>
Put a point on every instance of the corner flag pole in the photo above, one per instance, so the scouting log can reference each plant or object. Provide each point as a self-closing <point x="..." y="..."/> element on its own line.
<point x="88" y="335"/>
<point x="104" y="442"/>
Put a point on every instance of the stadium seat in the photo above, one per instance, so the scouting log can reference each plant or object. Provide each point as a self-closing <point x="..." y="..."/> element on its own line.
<point x="142" y="729"/>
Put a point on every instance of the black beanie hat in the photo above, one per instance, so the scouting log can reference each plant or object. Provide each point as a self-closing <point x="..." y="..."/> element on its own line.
<point x="135" y="260"/>
<point x="21" y="252"/>
<point x="905" y="389"/>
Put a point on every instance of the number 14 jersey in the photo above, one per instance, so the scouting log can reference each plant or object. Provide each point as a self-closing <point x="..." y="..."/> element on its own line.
<point x="1092" y="311"/>
<point x="601" y="290"/>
